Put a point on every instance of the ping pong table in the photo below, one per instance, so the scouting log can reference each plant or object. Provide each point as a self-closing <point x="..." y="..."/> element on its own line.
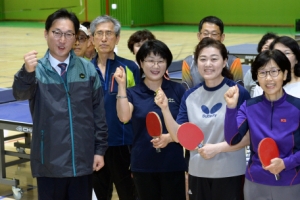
<point x="175" y="70"/>
<point x="247" y="52"/>
<point x="14" y="116"/>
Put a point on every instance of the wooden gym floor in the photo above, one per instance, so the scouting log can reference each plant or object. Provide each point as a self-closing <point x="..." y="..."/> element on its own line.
<point x="17" y="38"/>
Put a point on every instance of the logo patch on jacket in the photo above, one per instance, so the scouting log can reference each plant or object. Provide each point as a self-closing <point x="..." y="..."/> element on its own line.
<point x="171" y="100"/>
<point x="81" y="75"/>
<point x="282" y="120"/>
<point x="212" y="112"/>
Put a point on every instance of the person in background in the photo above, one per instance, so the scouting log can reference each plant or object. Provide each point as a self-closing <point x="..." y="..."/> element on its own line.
<point x="137" y="39"/>
<point x="216" y="170"/>
<point x="264" y="44"/>
<point x="290" y="48"/>
<point x="105" y="36"/>
<point x="81" y="42"/>
<point x="274" y="114"/>
<point x="66" y="102"/>
<point x="90" y="52"/>
<point x="156" y="175"/>
<point x="212" y="27"/>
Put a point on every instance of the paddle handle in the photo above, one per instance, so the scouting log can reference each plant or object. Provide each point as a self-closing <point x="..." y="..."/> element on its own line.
<point x="200" y="145"/>
<point x="157" y="149"/>
<point x="277" y="177"/>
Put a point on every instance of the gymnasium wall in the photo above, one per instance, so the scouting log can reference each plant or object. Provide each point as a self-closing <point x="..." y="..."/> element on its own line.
<point x="129" y="12"/>
<point x="147" y="12"/>
<point x="136" y="12"/>
<point x="38" y="10"/>
<point x="1" y="10"/>
<point x="233" y="12"/>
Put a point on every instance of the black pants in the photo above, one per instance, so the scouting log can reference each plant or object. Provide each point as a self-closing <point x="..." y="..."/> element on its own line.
<point x="229" y="188"/>
<point x="116" y="170"/>
<point x="72" y="188"/>
<point x="157" y="186"/>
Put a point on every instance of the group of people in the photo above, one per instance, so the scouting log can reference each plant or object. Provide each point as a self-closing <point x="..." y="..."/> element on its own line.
<point x="89" y="109"/>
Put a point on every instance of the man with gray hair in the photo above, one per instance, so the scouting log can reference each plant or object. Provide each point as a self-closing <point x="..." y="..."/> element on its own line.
<point x="105" y="32"/>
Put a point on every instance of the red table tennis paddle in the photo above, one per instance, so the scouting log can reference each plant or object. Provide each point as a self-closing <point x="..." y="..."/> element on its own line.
<point x="154" y="126"/>
<point x="190" y="136"/>
<point x="267" y="150"/>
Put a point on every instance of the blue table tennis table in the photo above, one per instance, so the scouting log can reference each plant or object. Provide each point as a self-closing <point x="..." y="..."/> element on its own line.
<point x="14" y="116"/>
<point x="246" y="51"/>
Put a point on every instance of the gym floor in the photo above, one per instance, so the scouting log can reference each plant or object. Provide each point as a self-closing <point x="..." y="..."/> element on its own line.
<point x="18" y="38"/>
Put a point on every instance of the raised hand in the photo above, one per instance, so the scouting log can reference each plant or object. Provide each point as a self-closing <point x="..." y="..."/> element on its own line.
<point x="120" y="76"/>
<point x="160" y="99"/>
<point x="231" y="96"/>
<point x="31" y="61"/>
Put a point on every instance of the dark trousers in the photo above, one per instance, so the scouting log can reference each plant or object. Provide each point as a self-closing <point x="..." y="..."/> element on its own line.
<point x="116" y="170"/>
<point x="70" y="188"/>
<point x="160" y="186"/>
<point x="229" y="188"/>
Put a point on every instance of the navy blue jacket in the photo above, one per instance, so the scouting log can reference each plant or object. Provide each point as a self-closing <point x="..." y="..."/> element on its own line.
<point x="119" y="133"/>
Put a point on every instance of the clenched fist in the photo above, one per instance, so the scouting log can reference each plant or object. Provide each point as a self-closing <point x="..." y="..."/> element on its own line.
<point x="120" y="76"/>
<point x="231" y="96"/>
<point x="31" y="61"/>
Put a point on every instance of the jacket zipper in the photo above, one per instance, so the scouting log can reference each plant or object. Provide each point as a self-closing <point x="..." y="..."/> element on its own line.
<point x="71" y="123"/>
<point x="42" y="146"/>
<point x="272" y="109"/>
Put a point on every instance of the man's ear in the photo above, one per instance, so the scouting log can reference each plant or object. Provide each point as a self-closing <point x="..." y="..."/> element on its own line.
<point x="198" y="36"/>
<point x="222" y="37"/>
<point x="118" y="39"/>
<point x="92" y="40"/>
<point x="89" y="42"/>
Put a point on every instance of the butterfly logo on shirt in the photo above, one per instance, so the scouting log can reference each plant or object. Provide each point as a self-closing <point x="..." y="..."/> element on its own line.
<point x="212" y="112"/>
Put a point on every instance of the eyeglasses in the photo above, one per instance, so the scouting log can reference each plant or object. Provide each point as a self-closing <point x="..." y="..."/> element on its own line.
<point x="151" y="63"/>
<point x="207" y="34"/>
<point x="108" y="34"/>
<point x="59" y="34"/>
<point x="272" y="72"/>
<point x="81" y="39"/>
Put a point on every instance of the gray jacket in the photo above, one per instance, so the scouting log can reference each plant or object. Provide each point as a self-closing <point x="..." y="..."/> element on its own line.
<point x="69" y="125"/>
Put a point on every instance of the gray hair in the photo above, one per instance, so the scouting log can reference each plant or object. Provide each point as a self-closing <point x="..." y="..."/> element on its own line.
<point x="103" y="19"/>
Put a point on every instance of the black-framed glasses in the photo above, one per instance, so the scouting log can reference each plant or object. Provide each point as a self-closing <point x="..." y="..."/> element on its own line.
<point x="81" y="39"/>
<point x="272" y="72"/>
<point x="212" y="34"/>
<point x="58" y="34"/>
<point x="151" y="63"/>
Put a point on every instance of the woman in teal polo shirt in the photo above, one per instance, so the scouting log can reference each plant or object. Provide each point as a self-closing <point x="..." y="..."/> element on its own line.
<point x="156" y="175"/>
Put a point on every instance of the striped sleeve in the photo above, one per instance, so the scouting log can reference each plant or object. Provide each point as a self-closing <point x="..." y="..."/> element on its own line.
<point x="237" y="70"/>
<point x="186" y="74"/>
